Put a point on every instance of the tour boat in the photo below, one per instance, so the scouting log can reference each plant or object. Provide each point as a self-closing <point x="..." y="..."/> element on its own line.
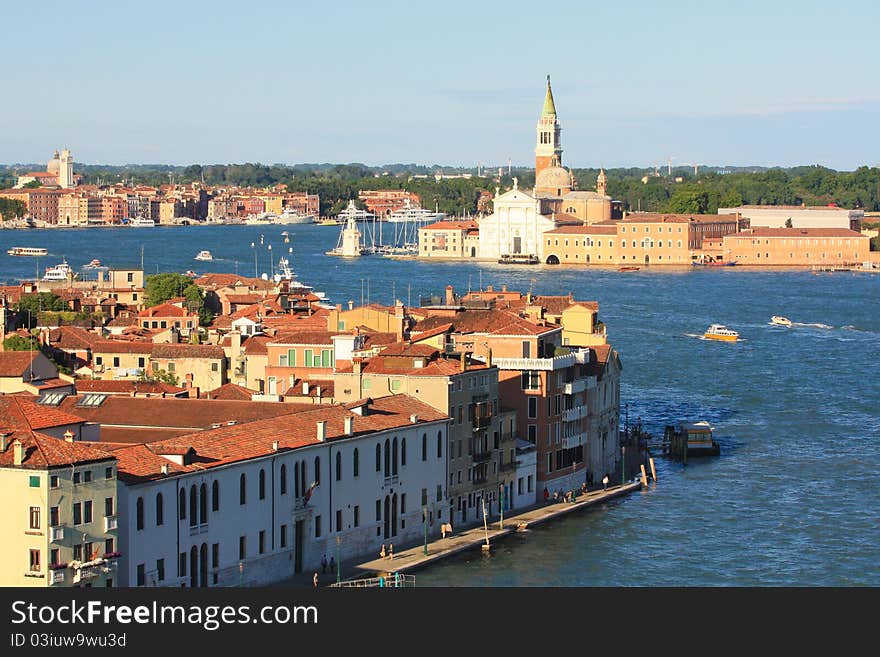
<point x="204" y="255"/>
<point x="141" y="222"/>
<point x="27" y="251"/>
<point x="59" y="272"/>
<point x="690" y="439"/>
<point x="778" y="320"/>
<point x="721" y="332"/>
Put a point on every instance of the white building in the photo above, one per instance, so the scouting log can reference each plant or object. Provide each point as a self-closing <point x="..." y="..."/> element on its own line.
<point x="256" y="503"/>
<point x="801" y="216"/>
<point x="515" y="226"/>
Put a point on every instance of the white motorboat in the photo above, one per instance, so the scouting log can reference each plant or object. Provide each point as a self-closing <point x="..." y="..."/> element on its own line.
<point x="204" y="255"/>
<point x="59" y="272"/>
<point x="778" y="320"/>
<point x="721" y="332"/>
<point x="142" y="222"/>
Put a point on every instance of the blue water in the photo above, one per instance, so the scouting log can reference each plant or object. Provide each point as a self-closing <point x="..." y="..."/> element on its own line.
<point x="793" y="499"/>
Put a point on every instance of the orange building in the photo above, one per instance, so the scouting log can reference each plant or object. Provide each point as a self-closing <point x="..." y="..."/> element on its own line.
<point x="382" y="202"/>
<point x="797" y="246"/>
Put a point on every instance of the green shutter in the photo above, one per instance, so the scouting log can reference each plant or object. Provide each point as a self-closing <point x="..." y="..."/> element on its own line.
<point x="340" y="325"/>
<point x="308" y="362"/>
<point x="34" y="482"/>
<point x="291" y="357"/>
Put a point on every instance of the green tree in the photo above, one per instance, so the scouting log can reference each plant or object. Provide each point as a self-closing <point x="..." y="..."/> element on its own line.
<point x="158" y="375"/>
<point x="161" y="287"/>
<point x="33" y="184"/>
<point x="21" y="343"/>
<point x="12" y="208"/>
<point x="31" y="305"/>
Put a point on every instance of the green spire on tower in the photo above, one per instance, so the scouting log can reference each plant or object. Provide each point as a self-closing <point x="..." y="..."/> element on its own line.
<point x="549" y="106"/>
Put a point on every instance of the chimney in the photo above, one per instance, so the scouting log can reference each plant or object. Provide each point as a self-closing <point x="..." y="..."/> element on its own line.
<point x="322" y="431"/>
<point x="488" y="356"/>
<point x="464" y="360"/>
<point x="504" y="288"/>
<point x="164" y="468"/>
<point x="68" y="436"/>
<point x="350" y="304"/>
<point x="318" y="391"/>
<point x="357" y="365"/>
<point x="305" y="387"/>
<point x="414" y="419"/>
<point x="274" y="445"/>
<point x="18" y="452"/>
<point x="349" y="425"/>
<point x="450" y="295"/>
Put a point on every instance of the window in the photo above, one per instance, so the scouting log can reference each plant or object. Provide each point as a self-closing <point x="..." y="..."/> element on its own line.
<point x="242" y="547"/>
<point x="308" y="358"/>
<point x="141" y="362"/>
<point x="355" y="463"/>
<point x="262" y="541"/>
<point x="54" y="516"/>
<point x="141" y="575"/>
<point x="215" y="367"/>
<point x="338" y="466"/>
<point x="533" y="407"/>
<point x="530" y="380"/>
<point x="403" y="503"/>
<point x="87" y="476"/>
<point x="533" y="433"/>
<point x="109" y="546"/>
<point x="424" y="447"/>
<point x="439" y="444"/>
<point x="139" y="513"/>
<point x="77" y="552"/>
<point x="215" y="496"/>
<point x="378" y="510"/>
<point x="395" y="385"/>
<point x="77" y="513"/>
<point x="108" y="507"/>
<point x="262" y="483"/>
<point x="317" y="470"/>
<point x="439" y="492"/>
<point x="317" y="526"/>
<point x="160" y="570"/>
<point x="283" y="479"/>
<point x="403" y="451"/>
<point x="53" y="556"/>
<point x="181" y="565"/>
<point x="87" y="512"/>
<point x="215" y="555"/>
<point x="339" y="520"/>
<point x="378" y="457"/>
<point x="160" y="510"/>
<point x="291" y="357"/>
<point x="77" y="477"/>
<point x="193" y="506"/>
<point x="116" y="361"/>
<point x="181" y="505"/>
<point x="203" y="504"/>
<point x="108" y="473"/>
<point x="53" y="481"/>
<point x="242" y="489"/>
<point x="282" y="535"/>
<point x="35" y="517"/>
<point x="424" y="497"/>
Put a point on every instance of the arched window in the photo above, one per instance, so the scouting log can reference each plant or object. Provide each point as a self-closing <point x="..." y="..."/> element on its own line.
<point x="403" y="451"/>
<point x="317" y="470"/>
<point x="439" y="444"/>
<point x="302" y="477"/>
<point x="394" y="456"/>
<point x="181" y="505"/>
<point x="140" y="513"/>
<point x="193" y="506"/>
<point x="160" y="510"/>
<point x="338" y="466"/>
<point x="424" y="447"/>
<point x="203" y="504"/>
<point x="355" y="463"/>
<point x="215" y="496"/>
<point x="296" y="479"/>
<point x="242" y="489"/>
<point x="262" y="484"/>
<point x="387" y="458"/>
<point x="283" y="479"/>
<point x="378" y="457"/>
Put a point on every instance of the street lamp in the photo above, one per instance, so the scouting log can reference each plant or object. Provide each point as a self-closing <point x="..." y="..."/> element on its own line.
<point x="501" y="503"/>
<point x="425" y="522"/>
<point x="271" y="265"/>
<point x="622" y="464"/>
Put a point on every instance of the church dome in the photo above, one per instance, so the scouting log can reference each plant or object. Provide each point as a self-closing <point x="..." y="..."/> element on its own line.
<point x="553" y="179"/>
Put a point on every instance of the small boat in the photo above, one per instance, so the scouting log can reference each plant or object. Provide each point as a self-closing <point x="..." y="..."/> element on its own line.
<point x="518" y="259"/>
<point x="721" y="332"/>
<point x="628" y="269"/>
<point x="708" y="262"/>
<point x="778" y="320"/>
<point x="329" y="222"/>
<point x="190" y="273"/>
<point x="690" y="439"/>
<point x="59" y="272"/>
<point x="27" y="251"/>
<point x="94" y="264"/>
<point x="204" y="255"/>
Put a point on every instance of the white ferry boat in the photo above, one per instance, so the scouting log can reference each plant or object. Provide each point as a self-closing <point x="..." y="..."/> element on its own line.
<point x="59" y="272"/>
<point x="291" y="216"/>
<point x="27" y="251"/>
<point x="204" y="255"/>
<point x="141" y="222"/>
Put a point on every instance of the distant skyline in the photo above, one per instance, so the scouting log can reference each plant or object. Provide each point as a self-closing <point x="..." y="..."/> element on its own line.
<point x="453" y="83"/>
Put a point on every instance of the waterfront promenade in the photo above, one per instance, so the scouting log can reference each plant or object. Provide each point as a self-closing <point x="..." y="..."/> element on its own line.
<point x="413" y="557"/>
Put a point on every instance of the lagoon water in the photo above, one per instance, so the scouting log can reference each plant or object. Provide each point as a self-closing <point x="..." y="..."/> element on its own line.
<point x="793" y="499"/>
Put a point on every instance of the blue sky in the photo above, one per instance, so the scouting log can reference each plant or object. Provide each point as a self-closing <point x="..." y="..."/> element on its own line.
<point x="454" y="83"/>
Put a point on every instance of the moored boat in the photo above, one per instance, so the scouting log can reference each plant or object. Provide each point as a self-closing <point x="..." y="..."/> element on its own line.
<point x="628" y="269"/>
<point x="690" y="439"/>
<point x="721" y="332"/>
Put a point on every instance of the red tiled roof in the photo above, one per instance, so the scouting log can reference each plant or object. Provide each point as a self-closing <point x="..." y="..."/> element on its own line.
<point x="663" y="218"/>
<point x="408" y="349"/>
<point x="126" y="387"/>
<point x="451" y="225"/>
<point x="72" y="337"/>
<point x="304" y="337"/>
<point x="165" y="310"/>
<point x="797" y="232"/>
<point x="230" y="391"/>
<point x="594" y="229"/>
<point x="256" y="344"/>
<point x="15" y="363"/>
<point x="498" y="321"/>
<point x="19" y="412"/>
<point x="42" y="451"/>
<point x="121" y="347"/>
<point x="327" y="388"/>
<point x="424" y="335"/>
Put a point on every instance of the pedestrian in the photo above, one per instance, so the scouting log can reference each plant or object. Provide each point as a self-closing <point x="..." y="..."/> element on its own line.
<point x="382" y="551"/>
<point x="584" y="488"/>
<point x="546" y="495"/>
<point x="315" y="579"/>
<point x="605" y="482"/>
<point x="391" y="550"/>
<point x="332" y="564"/>
<point x="324" y="564"/>
<point x="443" y="531"/>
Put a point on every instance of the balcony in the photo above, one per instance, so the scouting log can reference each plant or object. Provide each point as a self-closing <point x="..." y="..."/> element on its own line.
<point x="510" y="465"/>
<point x="482" y="422"/>
<point x="574" y="440"/>
<point x="56" y="534"/>
<point x="574" y="414"/>
<point x="57" y="577"/>
<point x="543" y="364"/>
<point x="579" y="385"/>
<point x="480" y="457"/>
<point x="195" y="530"/>
<point x="111" y="523"/>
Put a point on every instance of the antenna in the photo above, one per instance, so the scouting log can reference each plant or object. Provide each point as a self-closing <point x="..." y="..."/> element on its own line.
<point x="508" y="166"/>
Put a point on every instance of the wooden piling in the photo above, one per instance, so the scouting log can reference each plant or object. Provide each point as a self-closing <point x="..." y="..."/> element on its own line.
<point x="653" y="469"/>
<point x="644" y="476"/>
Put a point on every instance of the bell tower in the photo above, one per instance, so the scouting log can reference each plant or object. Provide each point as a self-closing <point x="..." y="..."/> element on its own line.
<point x="601" y="183"/>
<point x="548" y="148"/>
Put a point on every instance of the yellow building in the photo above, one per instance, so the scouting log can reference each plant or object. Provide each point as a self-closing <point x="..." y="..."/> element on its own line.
<point x="450" y="239"/>
<point x="797" y="247"/>
<point x="59" y="512"/>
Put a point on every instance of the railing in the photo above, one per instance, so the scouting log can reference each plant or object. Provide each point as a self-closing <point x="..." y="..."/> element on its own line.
<point x="394" y="581"/>
<point x="391" y="481"/>
<point x="482" y="422"/>
<point x="479" y="457"/>
<point x="56" y="534"/>
<point x="574" y="440"/>
<point x="579" y="385"/>
<point x="57" y="576"/>
<point x="195" y="530"/>
<point x="576" y="413"/>
<point x="545" y="364"/>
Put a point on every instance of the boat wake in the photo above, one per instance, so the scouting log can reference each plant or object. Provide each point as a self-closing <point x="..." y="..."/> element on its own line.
<point x="821" y="326"/>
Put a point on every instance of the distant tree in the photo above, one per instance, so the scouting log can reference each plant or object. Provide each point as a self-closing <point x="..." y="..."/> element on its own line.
<point x="12" y="208"/>
<point x="161" y="287"/>
<point x="158" y="375"/>
<point x="20" y="343"/>
<point x="33" y="184"/>
<point x="788" y="223"/>
<point x="31" y="305"/>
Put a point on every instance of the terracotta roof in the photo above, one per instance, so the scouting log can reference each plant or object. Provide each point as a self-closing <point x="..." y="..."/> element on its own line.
<point x="451" y="225"/>
<point x="72" y="337"/>
<point x="48" y="384"/>
<point x="663" y="218"/>
<point x="424" y="335"/>
<point x="327" y="388"/>
<point x="243" y="298"/>
<point x="554" y="305"/>
<point x="581" y="229"/>
<point x="230" y="391"/>
<point x="408" y="349"/>
<point x="165" y="310"/>
<point x="304" y="337"/>
<point x="256" y="344"/>
<point x="498" y="321"/>
<point x="42" y="451"/>
<point x="121" y="347"/>
<point x="20" y="412"/>
<point x="126" y="387"/>
<point x="187" y="351"/>
<point x="231" y="444"/>
<point x="15" y="363"/>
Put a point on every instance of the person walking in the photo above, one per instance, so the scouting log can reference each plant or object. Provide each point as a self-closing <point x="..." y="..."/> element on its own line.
<point x="315" y="579"/>
<point x="605" y="482"/>
<point x="546" y="495"/>
<point x="391" y="550"/>
<point x="324" y="564"/>
<point x="382" y="552"/>
<point x="332" y="564"/>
